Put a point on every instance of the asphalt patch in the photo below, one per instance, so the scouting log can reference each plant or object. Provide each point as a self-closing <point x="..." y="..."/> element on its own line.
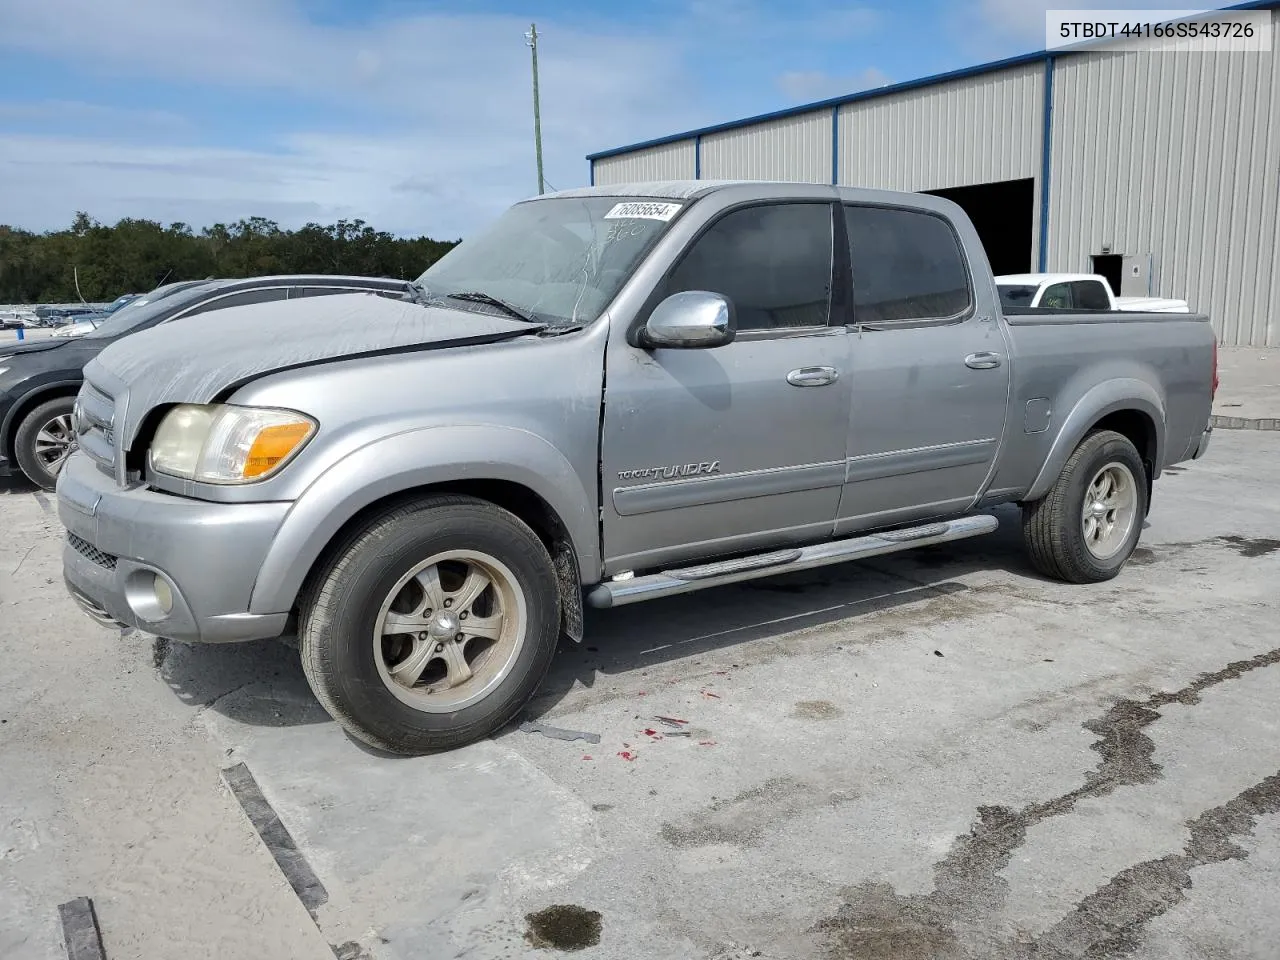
<point x="960" y="918"/>
<point x="1251" y="546"/>
<point x="564" y="927"/>
<point x="816" y="710"/>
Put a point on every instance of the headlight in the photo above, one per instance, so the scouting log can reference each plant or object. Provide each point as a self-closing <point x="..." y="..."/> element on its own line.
<point x="221" y="443"/>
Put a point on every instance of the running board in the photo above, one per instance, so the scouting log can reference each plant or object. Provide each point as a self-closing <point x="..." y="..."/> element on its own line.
<point x="616" y="593"/>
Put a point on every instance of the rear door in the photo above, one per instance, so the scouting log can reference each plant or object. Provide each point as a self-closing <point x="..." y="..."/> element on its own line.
<point x="715" y="451"/>
<point x="929" y="371"/>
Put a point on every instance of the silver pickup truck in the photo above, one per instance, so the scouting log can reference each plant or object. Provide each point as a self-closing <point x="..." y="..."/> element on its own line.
<point x="610" y="395"/>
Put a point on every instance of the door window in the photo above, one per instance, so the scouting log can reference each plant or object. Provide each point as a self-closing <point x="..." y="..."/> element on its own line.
<point x="907" y="266"/>
<point x="772" y="262"/>
<point x="1057" y="296"/>
<point x="243" y="298"/>
<point x="1090" y="295"/>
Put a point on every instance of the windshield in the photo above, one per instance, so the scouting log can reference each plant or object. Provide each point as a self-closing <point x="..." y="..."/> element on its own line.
<point x="1016" y="295"/>
<point x="146" y="307"/>
<point x="119" y="302"/>
<point x="558" y="260"/>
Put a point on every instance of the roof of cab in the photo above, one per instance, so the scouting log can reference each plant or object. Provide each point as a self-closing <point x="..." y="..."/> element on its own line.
<point x="1036" y="279"/>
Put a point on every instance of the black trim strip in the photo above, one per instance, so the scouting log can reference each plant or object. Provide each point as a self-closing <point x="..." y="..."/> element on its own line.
<point x="700" y="491"/>
<point x="276" y="837"/>
<point x="878" y="466"/>
<point x="80" y="931"/>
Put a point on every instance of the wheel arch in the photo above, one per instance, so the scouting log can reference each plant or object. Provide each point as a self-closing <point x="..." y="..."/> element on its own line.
<point x="533" y="482"/>
<point x="1131" y="408"/>
<point x="28" y="402"/>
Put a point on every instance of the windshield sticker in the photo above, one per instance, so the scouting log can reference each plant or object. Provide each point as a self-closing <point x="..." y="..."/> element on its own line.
<point x="637" y="210"/>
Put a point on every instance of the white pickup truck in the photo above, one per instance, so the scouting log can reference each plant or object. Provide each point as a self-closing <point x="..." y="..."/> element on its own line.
<point x="1076" y="291"/>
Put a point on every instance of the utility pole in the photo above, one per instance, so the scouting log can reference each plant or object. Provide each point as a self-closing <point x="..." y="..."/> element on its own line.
<point x="532" y="39"/>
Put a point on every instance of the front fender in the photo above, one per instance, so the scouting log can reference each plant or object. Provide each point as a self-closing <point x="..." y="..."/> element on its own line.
<point x="1110" y="396"/>
<point x="418" y="458"/>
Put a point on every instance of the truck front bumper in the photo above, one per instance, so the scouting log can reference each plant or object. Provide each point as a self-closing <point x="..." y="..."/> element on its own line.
<point x="167" y="565"/>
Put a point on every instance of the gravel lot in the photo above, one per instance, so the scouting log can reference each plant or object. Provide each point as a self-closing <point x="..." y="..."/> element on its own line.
<point x="937" y="755"/>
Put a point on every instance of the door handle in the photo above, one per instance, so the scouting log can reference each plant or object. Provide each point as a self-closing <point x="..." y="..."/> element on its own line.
<point x="982" y="361"/>
<point x="813" y="376"/>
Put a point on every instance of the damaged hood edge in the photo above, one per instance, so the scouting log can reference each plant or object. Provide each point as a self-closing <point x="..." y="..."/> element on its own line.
<point x="201" y="358"/>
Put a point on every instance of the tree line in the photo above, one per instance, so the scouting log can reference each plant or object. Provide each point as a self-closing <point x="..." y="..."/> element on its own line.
<point x="137" y="255"/>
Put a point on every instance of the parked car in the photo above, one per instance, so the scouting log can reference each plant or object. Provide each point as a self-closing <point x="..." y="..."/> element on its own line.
<point x="39" y="380"/>
<point x="613" y="394"/>
<point x="16" y="321"/>
<point x="1076" y="291"/>
<point x="78" y="328"/>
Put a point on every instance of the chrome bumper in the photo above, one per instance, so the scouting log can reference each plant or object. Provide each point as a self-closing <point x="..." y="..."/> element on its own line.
<point x="120" y="542"/>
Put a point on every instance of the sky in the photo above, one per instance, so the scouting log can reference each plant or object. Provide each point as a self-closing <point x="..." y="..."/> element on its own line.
<point x="416" y="115"/>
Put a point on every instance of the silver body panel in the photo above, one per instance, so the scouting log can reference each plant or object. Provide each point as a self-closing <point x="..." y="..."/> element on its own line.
<point x="649" y="457"/>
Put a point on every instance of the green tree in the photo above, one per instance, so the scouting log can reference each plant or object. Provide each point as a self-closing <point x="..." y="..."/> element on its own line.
<point x="136" y="255"/>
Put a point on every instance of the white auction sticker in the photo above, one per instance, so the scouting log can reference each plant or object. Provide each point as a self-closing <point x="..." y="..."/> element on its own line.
<point x="642" y="210"/>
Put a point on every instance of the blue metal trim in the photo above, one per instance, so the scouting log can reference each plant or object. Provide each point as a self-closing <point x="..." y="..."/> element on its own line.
<point x="1046" y="162"/>
<point x="994" y="65"/>
<point x="830" y="102"/>
<point x="697" y="157"/>
<point x="835" y="144"/>
<point x="591" y="173"/>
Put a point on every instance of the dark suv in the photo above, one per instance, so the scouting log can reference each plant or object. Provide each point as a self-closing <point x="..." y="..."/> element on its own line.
<point x="39" y="379"/>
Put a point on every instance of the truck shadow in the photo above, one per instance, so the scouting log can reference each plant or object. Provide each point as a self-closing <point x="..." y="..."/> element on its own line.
<point x="262" y="684"/>
<point x="635" y="638"/>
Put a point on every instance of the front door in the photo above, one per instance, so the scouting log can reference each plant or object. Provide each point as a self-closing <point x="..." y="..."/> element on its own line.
<point x="715" y="451"/>
<point x="929" y="371"/>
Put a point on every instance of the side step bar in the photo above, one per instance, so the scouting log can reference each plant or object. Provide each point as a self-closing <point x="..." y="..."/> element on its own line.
<point x="616" y="593"/>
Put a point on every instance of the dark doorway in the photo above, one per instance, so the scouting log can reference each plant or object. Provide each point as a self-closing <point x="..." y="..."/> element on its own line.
<point x="1004" y="216"/>
<point x="1109" y="265"/>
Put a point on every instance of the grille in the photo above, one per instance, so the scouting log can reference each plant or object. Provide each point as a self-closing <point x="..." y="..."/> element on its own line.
<point x="90" y="552"/>
<point x="95" y="416"/>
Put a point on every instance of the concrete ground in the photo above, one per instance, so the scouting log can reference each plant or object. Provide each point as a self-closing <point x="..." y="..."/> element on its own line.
<point x="1249" y="394"/>
<point x="937" y="755"/>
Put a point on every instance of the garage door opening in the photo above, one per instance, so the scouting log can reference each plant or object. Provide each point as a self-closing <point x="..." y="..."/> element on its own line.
<point x="1003" y="214"/>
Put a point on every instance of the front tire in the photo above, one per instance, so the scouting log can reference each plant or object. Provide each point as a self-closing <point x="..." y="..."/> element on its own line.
<point x="44" y="440"/>
<point x="432" y="626"/>
<point x="1084" y="529"/>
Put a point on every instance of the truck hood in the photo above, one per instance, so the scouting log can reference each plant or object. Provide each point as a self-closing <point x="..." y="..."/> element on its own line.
<point x="199" y="358"/>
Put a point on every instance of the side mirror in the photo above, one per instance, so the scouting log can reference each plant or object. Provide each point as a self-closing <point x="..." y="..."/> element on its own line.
<point x="694" y="319"/>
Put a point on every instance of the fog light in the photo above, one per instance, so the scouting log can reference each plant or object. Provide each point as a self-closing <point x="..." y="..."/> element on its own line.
<point x="164" y="595"/>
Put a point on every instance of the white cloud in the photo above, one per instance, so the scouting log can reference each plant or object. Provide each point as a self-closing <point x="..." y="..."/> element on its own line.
<point x="806" y="85"/>
<point x="434" y="110"/>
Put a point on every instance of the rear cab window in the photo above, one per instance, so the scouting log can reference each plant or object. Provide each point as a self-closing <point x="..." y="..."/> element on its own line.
<point x="908" y="266"/>
<point x="1090" y="295"/>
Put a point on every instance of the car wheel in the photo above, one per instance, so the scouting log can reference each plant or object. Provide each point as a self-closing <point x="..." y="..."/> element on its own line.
<point x="432" y="625"/>
<point x="1084" y="529"/>
<point x="44" y="440"/>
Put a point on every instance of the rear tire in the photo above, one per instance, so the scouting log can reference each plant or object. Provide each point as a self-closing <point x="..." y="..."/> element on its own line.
<point x="385" y="630"/>
<point x="1084" y="529"/>
<point x="43" y="441"/>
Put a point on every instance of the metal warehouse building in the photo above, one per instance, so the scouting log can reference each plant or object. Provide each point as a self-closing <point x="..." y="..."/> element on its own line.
<point x="1160" y="171"/>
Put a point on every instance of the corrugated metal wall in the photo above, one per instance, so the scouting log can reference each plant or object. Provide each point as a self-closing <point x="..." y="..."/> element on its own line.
<point x="976" y="130"/>
<point x="793" y="148"/>
<point x="1176" y="155"/>
<point x="669" y="161"/>
<point x="980" y="129"/>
